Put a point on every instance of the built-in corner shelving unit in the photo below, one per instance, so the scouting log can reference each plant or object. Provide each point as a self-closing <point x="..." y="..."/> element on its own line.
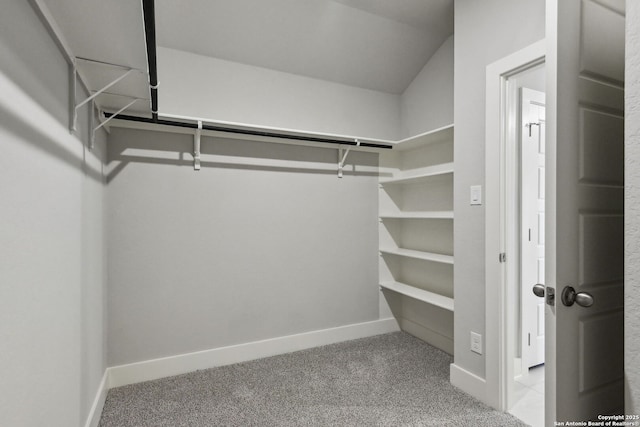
<point x="416" y="235"/>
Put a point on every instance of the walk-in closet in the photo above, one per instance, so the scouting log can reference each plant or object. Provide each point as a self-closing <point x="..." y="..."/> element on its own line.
<point x="246" y="212"/>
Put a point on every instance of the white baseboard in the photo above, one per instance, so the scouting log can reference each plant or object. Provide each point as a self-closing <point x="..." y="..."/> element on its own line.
<point x="183" y="363"/>
<point x="469" y="383"/>
<point x="93" y="419"/>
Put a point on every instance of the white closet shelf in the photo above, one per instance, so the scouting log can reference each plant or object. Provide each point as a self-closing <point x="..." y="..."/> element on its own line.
<point x="418" y="215"/>
<point x="442" y="134"/>
<point x="420" y="294"/>
<point x="420" y="175"/>
<point x="259" y="129"/>
<point x="425" y="256"/>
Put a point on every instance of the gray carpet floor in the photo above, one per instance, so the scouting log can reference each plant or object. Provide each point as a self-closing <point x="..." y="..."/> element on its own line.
<point x="386" y="380"/>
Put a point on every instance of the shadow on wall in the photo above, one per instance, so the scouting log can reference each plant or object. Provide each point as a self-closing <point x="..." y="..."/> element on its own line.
<point x="169" y="149"/>
<point x="54" y="142"/>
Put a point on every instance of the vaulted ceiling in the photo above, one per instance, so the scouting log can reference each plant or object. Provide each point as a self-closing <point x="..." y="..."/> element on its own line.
<point x="375" y="44"/>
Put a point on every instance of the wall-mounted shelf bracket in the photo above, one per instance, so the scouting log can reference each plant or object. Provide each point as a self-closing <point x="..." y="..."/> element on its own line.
<point x="97" y="93"/>
<point x="343" y="157"/>
<point x="92" y="137"/>
<point x="107" y="120"/>
<point x="196" y="147"/>
<point x="73" y="74"/>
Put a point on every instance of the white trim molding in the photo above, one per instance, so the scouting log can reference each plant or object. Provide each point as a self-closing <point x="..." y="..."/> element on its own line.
<point x="499" y="356"/>
<point x="148" y="370"/>
<point x="468" y="382"/>
<point x="93" y="418"/>
<point x="189" y="362"/>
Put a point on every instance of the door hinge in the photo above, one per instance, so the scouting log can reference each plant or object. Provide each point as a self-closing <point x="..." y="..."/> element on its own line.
<point x="502" y="257"/>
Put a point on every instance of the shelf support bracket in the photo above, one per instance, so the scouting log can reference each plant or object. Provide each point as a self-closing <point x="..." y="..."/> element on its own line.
<point x="343" y="157"/>
<point x="97" y="93"/>
<point x="92" y="137"/>
<point x="73" y="74"/>
<point x="103" y="123"/>
<point x="196" y="147"/>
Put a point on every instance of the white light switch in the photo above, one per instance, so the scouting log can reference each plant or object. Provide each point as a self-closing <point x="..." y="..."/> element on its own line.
<point x="476" y="194"/>
<point x="476" y="342"/>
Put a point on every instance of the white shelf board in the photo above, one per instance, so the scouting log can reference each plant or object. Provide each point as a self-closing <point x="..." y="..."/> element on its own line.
<point x="418" y="215"/>
<point x="426" y="256"/>
<point x="348" y="139"/>
<point x="415" y="176"/>
<point x="444" y="133"/>
<point x="420" y="294"/>
<point x="261" y="133"/>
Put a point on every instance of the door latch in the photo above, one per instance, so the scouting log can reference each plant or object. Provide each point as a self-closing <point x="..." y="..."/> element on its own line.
<point x="550" y="296"/>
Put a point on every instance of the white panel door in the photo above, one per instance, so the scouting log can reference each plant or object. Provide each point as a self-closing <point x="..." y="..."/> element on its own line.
<point x="532" y="224"/>
<point x="584" y="209"/>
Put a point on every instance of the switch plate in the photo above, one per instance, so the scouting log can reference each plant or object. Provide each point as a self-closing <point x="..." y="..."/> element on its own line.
<point x="476" y="195"/>
<point x="476" y="343"/>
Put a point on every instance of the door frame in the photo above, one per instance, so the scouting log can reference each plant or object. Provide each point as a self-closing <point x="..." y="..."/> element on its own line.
<point x="500" y="181"/>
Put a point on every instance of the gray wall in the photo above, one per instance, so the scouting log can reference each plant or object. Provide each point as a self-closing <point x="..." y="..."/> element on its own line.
<point x="484" y="32"/>
<point x="265" y="241"/>
<point x="229" y="91"/>
<point x="427" y="103"/>
<point x="52" y="264"/>
<point x="632" y="208"/>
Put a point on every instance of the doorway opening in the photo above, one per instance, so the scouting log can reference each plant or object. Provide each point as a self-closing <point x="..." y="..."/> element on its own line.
<point x="525" y="142"/>
<point x="513" y="177"/>
<point x="584" y="277"/>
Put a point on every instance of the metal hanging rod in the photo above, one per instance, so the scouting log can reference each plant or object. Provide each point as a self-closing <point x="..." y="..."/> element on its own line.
<point x="148" y="9"/>
<point x="215" y="128"/>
